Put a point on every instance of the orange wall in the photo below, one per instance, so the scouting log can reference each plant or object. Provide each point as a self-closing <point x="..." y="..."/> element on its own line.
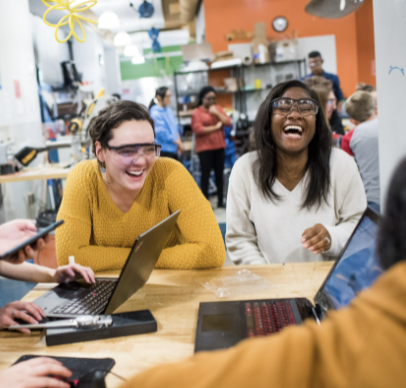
<point x="222" y="16"/>
<point x="365" y="43"/>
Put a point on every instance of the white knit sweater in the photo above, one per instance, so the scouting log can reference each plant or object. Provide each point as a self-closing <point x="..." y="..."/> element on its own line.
<point x="261" y="231"/>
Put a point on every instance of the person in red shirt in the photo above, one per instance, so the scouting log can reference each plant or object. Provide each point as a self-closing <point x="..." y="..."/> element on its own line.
<point x="208" y="120"/>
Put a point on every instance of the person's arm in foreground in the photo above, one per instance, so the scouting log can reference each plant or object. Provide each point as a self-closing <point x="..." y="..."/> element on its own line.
<point x="35" y="373"/>
<point x="363" y="346"/>
<point x="202" y="245"/>
<point x="73" y="237"/>
<point x="198" y="127"/>
<point x="241" y="236"/>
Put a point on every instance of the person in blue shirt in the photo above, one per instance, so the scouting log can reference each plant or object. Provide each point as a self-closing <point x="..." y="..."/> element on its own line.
<point x="315" y="64"/>
<point x="166" y="125"/>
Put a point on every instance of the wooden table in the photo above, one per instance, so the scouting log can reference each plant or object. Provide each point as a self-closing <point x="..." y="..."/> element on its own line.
<point x="37" y="173"/>
<point x="173" y="297"/>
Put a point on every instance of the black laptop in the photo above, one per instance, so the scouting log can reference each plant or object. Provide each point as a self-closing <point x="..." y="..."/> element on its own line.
<point x="223" y="324"/>
<point x="107" y="295"/>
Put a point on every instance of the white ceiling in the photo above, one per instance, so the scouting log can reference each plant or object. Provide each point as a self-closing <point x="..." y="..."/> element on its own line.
<point x="129" y="16"/>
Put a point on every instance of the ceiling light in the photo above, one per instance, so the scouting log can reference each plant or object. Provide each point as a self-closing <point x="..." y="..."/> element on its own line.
<point x="109" y="21"/>
<point x="131" y="51"/>
<point x="138" y="60"/>
<point x="342" y="5"/>
<point x="122" y="39"/>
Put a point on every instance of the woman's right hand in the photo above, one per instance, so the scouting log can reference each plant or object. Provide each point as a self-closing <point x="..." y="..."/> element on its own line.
<point x="218" y="125"/>
<point x="19" y="310"/>
<point x="35" y="373"/>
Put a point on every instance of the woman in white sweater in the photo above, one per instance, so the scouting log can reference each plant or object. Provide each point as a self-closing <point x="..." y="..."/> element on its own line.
<point x="295" y="199"/>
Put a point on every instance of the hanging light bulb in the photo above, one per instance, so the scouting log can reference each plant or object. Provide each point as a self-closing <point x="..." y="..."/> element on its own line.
<point x="342" y="5"/>
<point x="131" y="51"/>
<point x="122" y="39"/>
<point x="109" y="21"/>
<point x="138" y="59"/>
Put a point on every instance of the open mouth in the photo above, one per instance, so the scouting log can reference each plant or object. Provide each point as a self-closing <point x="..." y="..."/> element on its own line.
<point x="135" y="174"/>
<point x="293" y="131"/>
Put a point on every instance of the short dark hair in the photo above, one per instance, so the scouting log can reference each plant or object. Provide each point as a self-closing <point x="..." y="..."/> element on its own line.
<point x="314" y="54"/>
<point x="203" y="91"/>
<point x="111" y="117"/>
<point x="391" y="241"/>
<point x="318" y="163"/>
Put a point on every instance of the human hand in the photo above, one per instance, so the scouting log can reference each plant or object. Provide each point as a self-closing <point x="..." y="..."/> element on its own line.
<point x="316" y="239"/>
<point x="19" y="310"/>
<point x="72" y="272"/>
<point x="15" y="232"/>
<point x="218" y="125"/>
<point x="213" y="110"/>
<point x="35" y="373"/>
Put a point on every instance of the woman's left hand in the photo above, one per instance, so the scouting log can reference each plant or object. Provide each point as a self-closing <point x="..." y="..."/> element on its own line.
<point x="316" y="239"/>
<point x="72" y="272"/>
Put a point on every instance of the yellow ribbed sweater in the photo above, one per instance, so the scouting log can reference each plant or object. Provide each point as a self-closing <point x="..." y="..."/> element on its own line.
<point x="100" y="235"/>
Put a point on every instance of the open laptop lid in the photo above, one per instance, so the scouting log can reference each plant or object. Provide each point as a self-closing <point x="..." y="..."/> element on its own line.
<point x="356" y="268"/>
<point x="141" y="262"/>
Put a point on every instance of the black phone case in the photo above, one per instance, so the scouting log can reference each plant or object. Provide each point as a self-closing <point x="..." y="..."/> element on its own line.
<point x="82" y="369"/>
<point x="135" y="322"/>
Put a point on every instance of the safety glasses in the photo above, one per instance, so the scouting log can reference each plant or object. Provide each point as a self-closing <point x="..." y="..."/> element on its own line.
<point x="129" y="153"/>
<point x="283" y="106"/>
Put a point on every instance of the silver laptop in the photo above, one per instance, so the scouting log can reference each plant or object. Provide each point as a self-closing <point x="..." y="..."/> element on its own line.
<point x="107" y="295"/>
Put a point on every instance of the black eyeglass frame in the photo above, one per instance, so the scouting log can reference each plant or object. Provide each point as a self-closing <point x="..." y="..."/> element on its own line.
<point x="109" y="147"/>
<point x="292" y="99"/>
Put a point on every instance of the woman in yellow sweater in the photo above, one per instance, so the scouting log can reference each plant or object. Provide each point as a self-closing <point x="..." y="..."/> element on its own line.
<point x="108" y="202"/>
<point x="362" y="346"/>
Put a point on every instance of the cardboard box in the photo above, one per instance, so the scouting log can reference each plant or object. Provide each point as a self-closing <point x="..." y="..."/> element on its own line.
<point x="260" y="50"/>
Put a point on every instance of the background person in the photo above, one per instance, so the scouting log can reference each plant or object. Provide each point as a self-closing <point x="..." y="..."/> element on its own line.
<point x="208" y="120"/>
<point x="110" y="201"/>
<point x="166" y="125"/>
<point x="362" y="142"/>
<point x="361" y="346"/>
<point x="294" y="192"/>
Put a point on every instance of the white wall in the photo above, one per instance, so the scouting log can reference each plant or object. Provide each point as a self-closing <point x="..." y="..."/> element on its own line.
<point x="113" y="73"/>
<point x="390" y="32"/>
<point x="19" y="116"/>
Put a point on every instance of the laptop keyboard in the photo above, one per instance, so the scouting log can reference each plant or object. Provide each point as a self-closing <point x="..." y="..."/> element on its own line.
<point x="265" y="318"/>
<point x="92" y="302"/>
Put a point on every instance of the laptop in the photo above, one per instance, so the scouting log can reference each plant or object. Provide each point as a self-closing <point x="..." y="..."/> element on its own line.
<point x="107" y="295"/>
<point x="223" y="324"/>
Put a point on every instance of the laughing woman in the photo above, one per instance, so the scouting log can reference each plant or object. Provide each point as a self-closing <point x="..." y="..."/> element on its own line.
<point x="295" y="199"/>
<point x="109" y="201"/>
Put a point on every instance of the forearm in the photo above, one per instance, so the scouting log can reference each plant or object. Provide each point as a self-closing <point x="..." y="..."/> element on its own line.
<point x="27" y="272"/>
<point x="193" y="256"/>
<point x="210" y="129"/>
<point x="96" y="257"/>
<point x="224" y="119"/>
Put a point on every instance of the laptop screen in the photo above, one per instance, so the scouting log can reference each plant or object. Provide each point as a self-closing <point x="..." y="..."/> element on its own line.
<point x="358" y="266"/>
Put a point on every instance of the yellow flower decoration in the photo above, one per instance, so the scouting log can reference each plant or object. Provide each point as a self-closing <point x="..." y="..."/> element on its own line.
<point x="71" y="18"/>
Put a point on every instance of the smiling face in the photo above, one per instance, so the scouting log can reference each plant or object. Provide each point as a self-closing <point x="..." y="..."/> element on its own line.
<point x="292" y="133"/>
<point x="129" y="177"/>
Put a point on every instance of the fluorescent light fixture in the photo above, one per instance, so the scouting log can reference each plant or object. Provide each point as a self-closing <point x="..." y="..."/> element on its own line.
<point x="109" y="21"/>
<point x="131" y="51"/>
<point x="122" y="39"/>
<point x="138" y="60"/>
<point x="342" y="5"/>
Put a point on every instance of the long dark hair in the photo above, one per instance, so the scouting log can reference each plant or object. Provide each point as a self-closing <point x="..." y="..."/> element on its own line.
<point x="161" y="92"/>
<point x="391" y="242"/>
<point x="319" y="150"/>
<point x="205" y="90"/>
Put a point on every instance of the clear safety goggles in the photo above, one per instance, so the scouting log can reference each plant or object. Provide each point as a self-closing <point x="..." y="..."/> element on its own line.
<point x="129" y="153"/>
<point x="305" y="106"/>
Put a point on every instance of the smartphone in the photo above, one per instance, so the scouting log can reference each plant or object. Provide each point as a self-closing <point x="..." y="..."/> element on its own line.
<point x="31" y="240"/>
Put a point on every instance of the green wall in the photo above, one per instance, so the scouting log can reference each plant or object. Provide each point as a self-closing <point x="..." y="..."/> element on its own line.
<point x="151" y="67"/>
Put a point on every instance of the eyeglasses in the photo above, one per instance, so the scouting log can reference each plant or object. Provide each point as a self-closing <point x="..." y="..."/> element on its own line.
<point x="331" y="101"/>
<point x="210" y="98"/>
<point x="129" y="153"/>
<point x="305" y="106"/>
